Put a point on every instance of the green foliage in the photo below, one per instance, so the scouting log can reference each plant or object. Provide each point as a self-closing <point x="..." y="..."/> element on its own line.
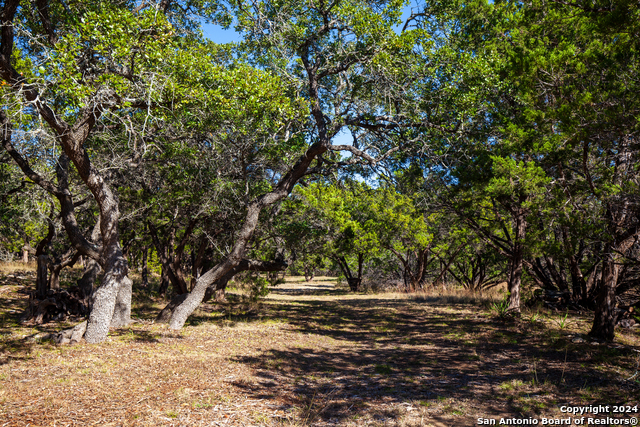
<point x="259" y="288"/>
<point x="501" y="308"/>
<point x="257" y="285"/>
<point x="348" y="215"/>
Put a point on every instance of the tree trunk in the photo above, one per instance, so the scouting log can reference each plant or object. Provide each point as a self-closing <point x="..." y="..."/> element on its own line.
<point x="197" y="262"/>
<point x="54" y="277"/>
<point x="145" y="267"/>
<point x="309" y="272"/>
<point x="165" y="314"/>
<point x="515" y="278"/>
<point x="122" y="310"/>
<point x="233" y="260"/>
<point x="604" y="322"/>
<point x="169" y="262"/>
<point x="25" y="256"/>
<point x="104" y="301"/>
<point x="176" y="263"/>
<point x="91" y="269"/>
<point x="217" y="288"/>
<point x="353" y="282"/>
<point x="578" y="284"/>
<point x="422" y="261"/>
<point x="88" y="279"/>
<point x="164" y="281"/>
<point x="557" y="276"/>
<point x="517" y="255"/>
<point x="444" y="267"/>
<point x="42" y="283"/>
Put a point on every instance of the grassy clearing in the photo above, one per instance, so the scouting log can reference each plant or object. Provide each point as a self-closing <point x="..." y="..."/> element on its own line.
<point x="12" y="267"/>
<point x="312" y="354"/>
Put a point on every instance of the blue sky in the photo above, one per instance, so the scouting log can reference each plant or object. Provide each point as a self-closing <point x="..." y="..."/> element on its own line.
<point x="217" y="34"/>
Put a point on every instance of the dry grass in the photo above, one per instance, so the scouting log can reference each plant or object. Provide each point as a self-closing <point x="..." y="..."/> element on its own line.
<point x="11" y="267"/>
<point x="311" y="354"/>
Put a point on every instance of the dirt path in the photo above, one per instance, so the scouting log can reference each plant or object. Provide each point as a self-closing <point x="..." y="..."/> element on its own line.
<point x="315" y="355"/>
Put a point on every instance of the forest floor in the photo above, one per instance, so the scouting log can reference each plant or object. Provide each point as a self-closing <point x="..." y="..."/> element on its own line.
<point x="313" y="354"/>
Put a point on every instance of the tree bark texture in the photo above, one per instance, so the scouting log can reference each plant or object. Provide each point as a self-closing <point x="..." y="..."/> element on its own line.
<point x="122" y="309"/>
<point x="42" y="283"/>
<point x="604" y="322"/>
<point x="517" y="257"/>
<point x="104" y="301"/>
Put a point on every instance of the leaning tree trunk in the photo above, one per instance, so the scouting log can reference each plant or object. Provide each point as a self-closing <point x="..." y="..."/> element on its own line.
<point x="217" y="288"/>
<point x="189" y="305"/>
<point x="282" y="189"/>
<point x="353" y="282"/>
<point x="165" y="314"/>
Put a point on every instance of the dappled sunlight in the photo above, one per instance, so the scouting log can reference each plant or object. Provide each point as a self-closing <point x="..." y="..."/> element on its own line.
<point x="311" y="354"/>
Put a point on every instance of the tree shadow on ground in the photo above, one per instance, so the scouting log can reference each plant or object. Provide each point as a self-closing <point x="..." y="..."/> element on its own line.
<point x="20" y="347"/>
<point x="136" y="335"/>
<point x="318" y="290"/>
<point x="387" y="353"/>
